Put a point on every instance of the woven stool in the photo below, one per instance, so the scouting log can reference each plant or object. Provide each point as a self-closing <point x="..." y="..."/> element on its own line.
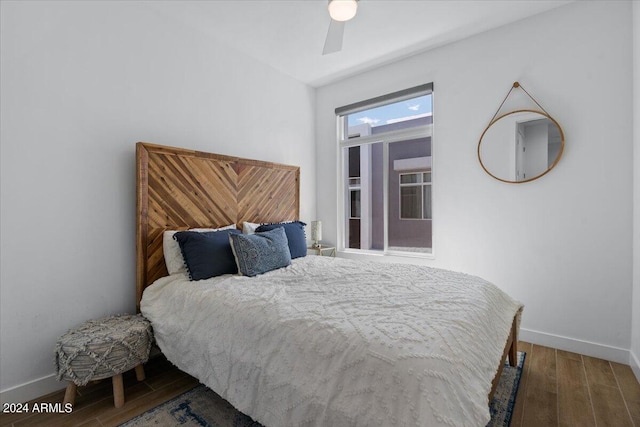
<point x="103" y="348"/>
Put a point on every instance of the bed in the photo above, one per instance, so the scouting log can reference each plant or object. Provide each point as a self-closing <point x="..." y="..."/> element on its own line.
<point x="323" y="341"/>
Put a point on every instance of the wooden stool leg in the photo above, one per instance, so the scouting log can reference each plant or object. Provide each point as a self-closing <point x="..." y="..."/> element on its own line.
<point x="118" y="391"/>
<point x="140" y="372"/>
<point x="70" y="393"/>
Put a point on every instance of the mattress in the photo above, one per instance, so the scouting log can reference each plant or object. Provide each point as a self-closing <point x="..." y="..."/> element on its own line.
<point x="335" y="342"/>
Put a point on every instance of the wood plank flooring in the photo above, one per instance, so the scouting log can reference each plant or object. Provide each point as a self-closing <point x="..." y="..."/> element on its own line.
<point x="557" y="388"/>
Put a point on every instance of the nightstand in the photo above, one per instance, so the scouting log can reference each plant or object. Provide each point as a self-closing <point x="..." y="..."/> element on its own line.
<point x="322" y="251"/>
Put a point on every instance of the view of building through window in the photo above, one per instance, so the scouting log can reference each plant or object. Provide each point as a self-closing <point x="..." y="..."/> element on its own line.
<point x="387" y="162"/>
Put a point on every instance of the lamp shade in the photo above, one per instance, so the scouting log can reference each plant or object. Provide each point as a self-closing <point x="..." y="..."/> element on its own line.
<point x="342" y="10"/>
<point x="316" y="231"/>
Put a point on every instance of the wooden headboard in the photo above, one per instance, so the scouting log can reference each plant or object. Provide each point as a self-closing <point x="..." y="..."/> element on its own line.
<point x="178" y="189"/>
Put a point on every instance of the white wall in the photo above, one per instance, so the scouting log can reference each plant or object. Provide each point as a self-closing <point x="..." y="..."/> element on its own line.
<point x="634" y="359"/>
<point x="560" y="244"/>
<point x="81" y="83"/>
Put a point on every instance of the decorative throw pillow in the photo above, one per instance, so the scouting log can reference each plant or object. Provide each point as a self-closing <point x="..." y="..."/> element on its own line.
<point x="173" y="255"/>
<point x="295" y="235"/>
<point x="260" y="252"/>
<point x="249" y="227"/>
<point x="207" y="254"/>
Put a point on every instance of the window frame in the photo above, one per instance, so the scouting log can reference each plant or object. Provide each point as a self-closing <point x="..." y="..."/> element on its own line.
<point x="387" y="138"/>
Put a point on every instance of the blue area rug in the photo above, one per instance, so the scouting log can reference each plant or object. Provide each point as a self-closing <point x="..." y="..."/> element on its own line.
<point x="202" y="407"/>
<point x="504" y="399"/>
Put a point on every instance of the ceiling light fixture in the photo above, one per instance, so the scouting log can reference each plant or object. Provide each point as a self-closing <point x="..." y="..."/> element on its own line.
<point x="342" y="10"/>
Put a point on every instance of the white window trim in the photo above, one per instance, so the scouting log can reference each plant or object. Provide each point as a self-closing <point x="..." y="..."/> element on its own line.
<point x="415" y="132"/>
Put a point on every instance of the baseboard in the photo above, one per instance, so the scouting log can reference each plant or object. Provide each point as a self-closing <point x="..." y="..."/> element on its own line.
<point x="601" y="351"/>
<point x="31" y="390"/>
<point x="634" y="362"/>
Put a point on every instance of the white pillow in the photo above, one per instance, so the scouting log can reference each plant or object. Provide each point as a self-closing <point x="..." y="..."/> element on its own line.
<point x="249" y="227"/>
<point x="173" y="255"/>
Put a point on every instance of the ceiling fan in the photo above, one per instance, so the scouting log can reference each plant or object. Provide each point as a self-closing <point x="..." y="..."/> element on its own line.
<point x="340" y="11"/>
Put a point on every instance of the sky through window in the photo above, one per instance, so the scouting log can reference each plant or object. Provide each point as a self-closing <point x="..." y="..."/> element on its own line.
<point x="408" y="109"/>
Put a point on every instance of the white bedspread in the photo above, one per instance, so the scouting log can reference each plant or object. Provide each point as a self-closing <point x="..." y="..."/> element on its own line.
<point x="333" y="342"/>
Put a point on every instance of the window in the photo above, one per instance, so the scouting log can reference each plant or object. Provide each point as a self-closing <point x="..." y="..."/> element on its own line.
<point x="355" y="203"/>
<point x="415" y="195"/>
<point x="386" y="158"/>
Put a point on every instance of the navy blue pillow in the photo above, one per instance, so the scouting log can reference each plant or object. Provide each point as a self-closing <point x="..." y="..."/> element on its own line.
<point x="207" y="254"/>
<point x="261" y="252"/>
<point x="295" y="235"/>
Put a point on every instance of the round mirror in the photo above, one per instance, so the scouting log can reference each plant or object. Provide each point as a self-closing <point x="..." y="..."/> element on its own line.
<point x="520" y="146"/>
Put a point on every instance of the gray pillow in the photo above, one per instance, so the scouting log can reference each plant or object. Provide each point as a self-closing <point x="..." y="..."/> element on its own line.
<point x="295" y="235"/>
<point x="261" y="252"/>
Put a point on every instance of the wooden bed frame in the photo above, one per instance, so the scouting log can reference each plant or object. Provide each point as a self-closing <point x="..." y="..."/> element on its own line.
<point x="510" y="351"/>
<point x="179" y="189"/>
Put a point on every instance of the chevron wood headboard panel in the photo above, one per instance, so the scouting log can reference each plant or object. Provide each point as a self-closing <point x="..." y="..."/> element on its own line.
<point x="178" y="189"/>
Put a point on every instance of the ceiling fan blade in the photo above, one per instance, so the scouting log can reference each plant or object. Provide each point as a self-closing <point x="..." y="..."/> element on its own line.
<point x="333" y="43"/>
